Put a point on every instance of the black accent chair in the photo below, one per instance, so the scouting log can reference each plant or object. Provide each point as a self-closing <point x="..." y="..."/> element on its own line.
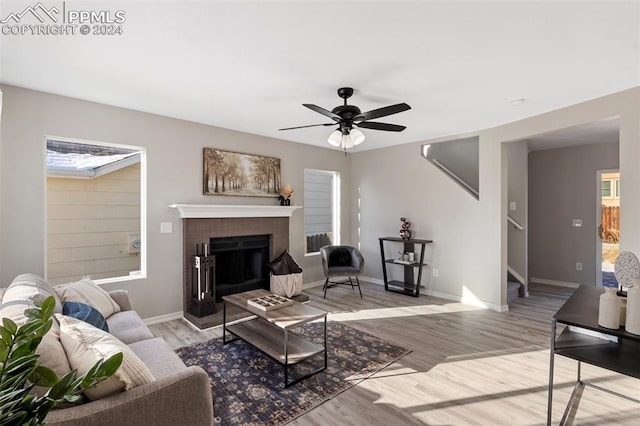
<point x="341" y="261"/>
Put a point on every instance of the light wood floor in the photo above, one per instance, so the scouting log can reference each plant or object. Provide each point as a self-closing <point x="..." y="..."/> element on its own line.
<point x="468" y="365"/>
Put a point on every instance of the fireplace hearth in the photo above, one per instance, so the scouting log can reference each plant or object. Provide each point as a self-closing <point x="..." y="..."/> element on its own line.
<point x="218" y="233"/>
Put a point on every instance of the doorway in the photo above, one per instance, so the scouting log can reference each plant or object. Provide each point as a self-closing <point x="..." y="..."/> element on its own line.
<point x="608" y="234"/>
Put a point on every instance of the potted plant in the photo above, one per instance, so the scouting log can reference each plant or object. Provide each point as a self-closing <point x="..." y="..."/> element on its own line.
<point x="20" y="373"/>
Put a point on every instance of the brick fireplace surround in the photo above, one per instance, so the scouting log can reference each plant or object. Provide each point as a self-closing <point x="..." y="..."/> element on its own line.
<point x="203" y="222"/>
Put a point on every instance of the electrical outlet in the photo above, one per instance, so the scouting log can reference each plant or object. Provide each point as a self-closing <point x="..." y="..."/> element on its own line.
<point x="435" y="272"/>
<point x="578" y="266"/>
<point x="512" y="206"/>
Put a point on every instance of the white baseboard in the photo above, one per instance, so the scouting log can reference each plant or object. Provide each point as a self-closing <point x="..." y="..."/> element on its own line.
<point x="163" y="318"/>
<point x="447" y="296"/>
<point x="554" y="282"/>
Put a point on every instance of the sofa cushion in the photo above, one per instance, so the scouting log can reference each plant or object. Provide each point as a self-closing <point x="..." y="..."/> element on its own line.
<point x="14" y="310"/>
<point x="31" y="287"/>
<point x="86" y="291"/>
<point x="50" y="350"/>
<point x="86" y="313"/>
<point x="128" y="327"/>
<point x="85" y="344"/>
<point x="158" y="356"/>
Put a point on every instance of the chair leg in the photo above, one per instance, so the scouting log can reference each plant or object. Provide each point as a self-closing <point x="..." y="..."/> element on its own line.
<point x="358" y="281"/>
<point x="351" y="282"/>
<point x="325" y="287"/>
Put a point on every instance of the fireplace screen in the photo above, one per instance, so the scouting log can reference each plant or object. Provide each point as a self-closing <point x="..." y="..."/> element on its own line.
<point x="241" y="264"/>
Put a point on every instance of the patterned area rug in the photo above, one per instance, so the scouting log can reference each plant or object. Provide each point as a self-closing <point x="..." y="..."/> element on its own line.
<point x="248" y="386"/>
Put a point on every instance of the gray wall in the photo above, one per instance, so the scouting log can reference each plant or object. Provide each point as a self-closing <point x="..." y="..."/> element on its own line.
<point x="562" y="187"/>
<point x="517" y="153"/>
<point x="174" y="175"/>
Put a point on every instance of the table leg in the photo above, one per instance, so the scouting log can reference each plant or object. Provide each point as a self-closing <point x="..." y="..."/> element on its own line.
<point x="224" y="322"/>
<point x="325" y="341"/>
<point x="552" y="352"/>
<point x="286" y="359"/>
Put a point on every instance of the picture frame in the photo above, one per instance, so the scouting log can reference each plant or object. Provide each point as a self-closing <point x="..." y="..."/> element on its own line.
<point x="233" y="173"/>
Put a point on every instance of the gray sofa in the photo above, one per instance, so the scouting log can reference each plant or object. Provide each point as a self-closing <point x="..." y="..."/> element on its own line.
<point x="180" y="395"/>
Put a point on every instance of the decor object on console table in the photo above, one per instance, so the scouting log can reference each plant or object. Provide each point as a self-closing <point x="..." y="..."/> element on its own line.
<point x="409" y="285"/>
<point x="632" y="323"/>
<point x="405" y="232"/>
<point x="609" y="309"/>
<point x="627" y="269"/>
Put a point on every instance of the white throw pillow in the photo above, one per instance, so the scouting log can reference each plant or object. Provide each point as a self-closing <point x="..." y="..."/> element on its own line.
<point x="85" y="345"/>
<point x="31" y="287"/>
<point x="86" y="291"/>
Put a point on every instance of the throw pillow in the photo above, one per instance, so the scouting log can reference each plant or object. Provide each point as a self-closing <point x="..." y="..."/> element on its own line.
<point x="86" y="313"/>
<point x="86" y="344"/>
<point x="340" y="257"/>
<point x="86" y="291"/>
<point x="31" y="287"/>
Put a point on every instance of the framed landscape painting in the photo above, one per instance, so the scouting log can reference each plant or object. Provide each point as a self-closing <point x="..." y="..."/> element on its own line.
<point x="234" y="173"/>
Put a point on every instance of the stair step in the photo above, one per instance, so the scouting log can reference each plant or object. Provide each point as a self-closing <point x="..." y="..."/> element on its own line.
<point x="513" y="289"/>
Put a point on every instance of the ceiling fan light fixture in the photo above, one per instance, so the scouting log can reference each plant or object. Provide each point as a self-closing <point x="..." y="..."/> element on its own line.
<point x="335" y="138"/>
<point x="356" y="136"/>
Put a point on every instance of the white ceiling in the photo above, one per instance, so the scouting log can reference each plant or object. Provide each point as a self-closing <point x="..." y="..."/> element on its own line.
<point x="249" y="65"/>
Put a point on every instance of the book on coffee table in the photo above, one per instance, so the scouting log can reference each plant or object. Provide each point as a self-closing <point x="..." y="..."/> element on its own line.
<point x="270" y="302"/>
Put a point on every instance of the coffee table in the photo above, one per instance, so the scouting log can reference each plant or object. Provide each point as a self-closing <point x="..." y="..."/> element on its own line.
<point x="270" y="331"/>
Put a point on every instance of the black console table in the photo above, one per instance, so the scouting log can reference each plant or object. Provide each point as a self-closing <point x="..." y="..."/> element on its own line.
<point x="581" y="310"/>
<point x="410" y="285"/>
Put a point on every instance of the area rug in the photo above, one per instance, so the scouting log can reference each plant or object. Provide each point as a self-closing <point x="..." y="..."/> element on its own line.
<point x="248" y="385"/>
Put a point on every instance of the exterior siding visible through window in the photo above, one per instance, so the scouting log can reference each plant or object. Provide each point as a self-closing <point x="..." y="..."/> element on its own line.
<point x="320" y="209"/>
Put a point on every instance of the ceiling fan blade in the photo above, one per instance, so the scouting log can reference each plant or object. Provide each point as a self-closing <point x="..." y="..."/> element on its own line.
<point x="310" y="125"/>
<point x="382" y="112"/>
<point x="381" y="126"/>
<point x="323" y="111"/>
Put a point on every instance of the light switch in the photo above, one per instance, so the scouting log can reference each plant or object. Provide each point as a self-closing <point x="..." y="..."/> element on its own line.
<point x="512" y="206"/>
<point x="166" y="227"/>
<point x="576" y="223"/>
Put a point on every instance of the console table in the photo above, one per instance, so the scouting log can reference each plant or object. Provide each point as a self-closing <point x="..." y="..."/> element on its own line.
<point x="581" y="310"/>
<point x="409" y="285"/>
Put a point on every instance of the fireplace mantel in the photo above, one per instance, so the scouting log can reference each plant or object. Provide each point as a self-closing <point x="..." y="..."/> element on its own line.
<point x="189" y="211"/>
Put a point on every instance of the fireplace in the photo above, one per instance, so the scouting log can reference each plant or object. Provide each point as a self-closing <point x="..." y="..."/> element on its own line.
<point x="217" y="225"/>
<point x="241" y="264"/>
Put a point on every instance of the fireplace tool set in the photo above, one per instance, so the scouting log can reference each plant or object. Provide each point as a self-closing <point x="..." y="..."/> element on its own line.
<point x="203" y="301"/>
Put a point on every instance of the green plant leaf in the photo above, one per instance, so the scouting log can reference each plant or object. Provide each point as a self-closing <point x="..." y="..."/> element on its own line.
<point x="111" y="365"/>
<point x="43" y="376"/>
<point x="9" y="325"/>
<point x="6" y="336"/>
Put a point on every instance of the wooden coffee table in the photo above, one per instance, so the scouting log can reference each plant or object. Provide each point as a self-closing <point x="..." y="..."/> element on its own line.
<point x="270" y="331"/>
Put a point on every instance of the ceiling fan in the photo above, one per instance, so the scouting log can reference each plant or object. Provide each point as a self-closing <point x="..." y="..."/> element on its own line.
<point x="349" y="118"/>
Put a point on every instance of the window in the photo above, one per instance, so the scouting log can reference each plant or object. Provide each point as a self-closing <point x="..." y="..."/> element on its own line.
<point x="95" y="211"/>
<point x="610" y="188"/>
<point x="606" y="188"/>
<point x="321" y="209"/>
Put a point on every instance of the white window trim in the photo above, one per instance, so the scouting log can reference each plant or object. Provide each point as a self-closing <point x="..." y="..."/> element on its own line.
<point x="135" y="275"/>
<point x="335" y="212"/>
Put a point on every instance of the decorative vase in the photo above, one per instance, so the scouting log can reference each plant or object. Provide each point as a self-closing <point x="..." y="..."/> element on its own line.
<point x="405" y="232"/>
<point x="609" y="313"/>
<point x="632" y="324"/>
<point x="623" y="311"/>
